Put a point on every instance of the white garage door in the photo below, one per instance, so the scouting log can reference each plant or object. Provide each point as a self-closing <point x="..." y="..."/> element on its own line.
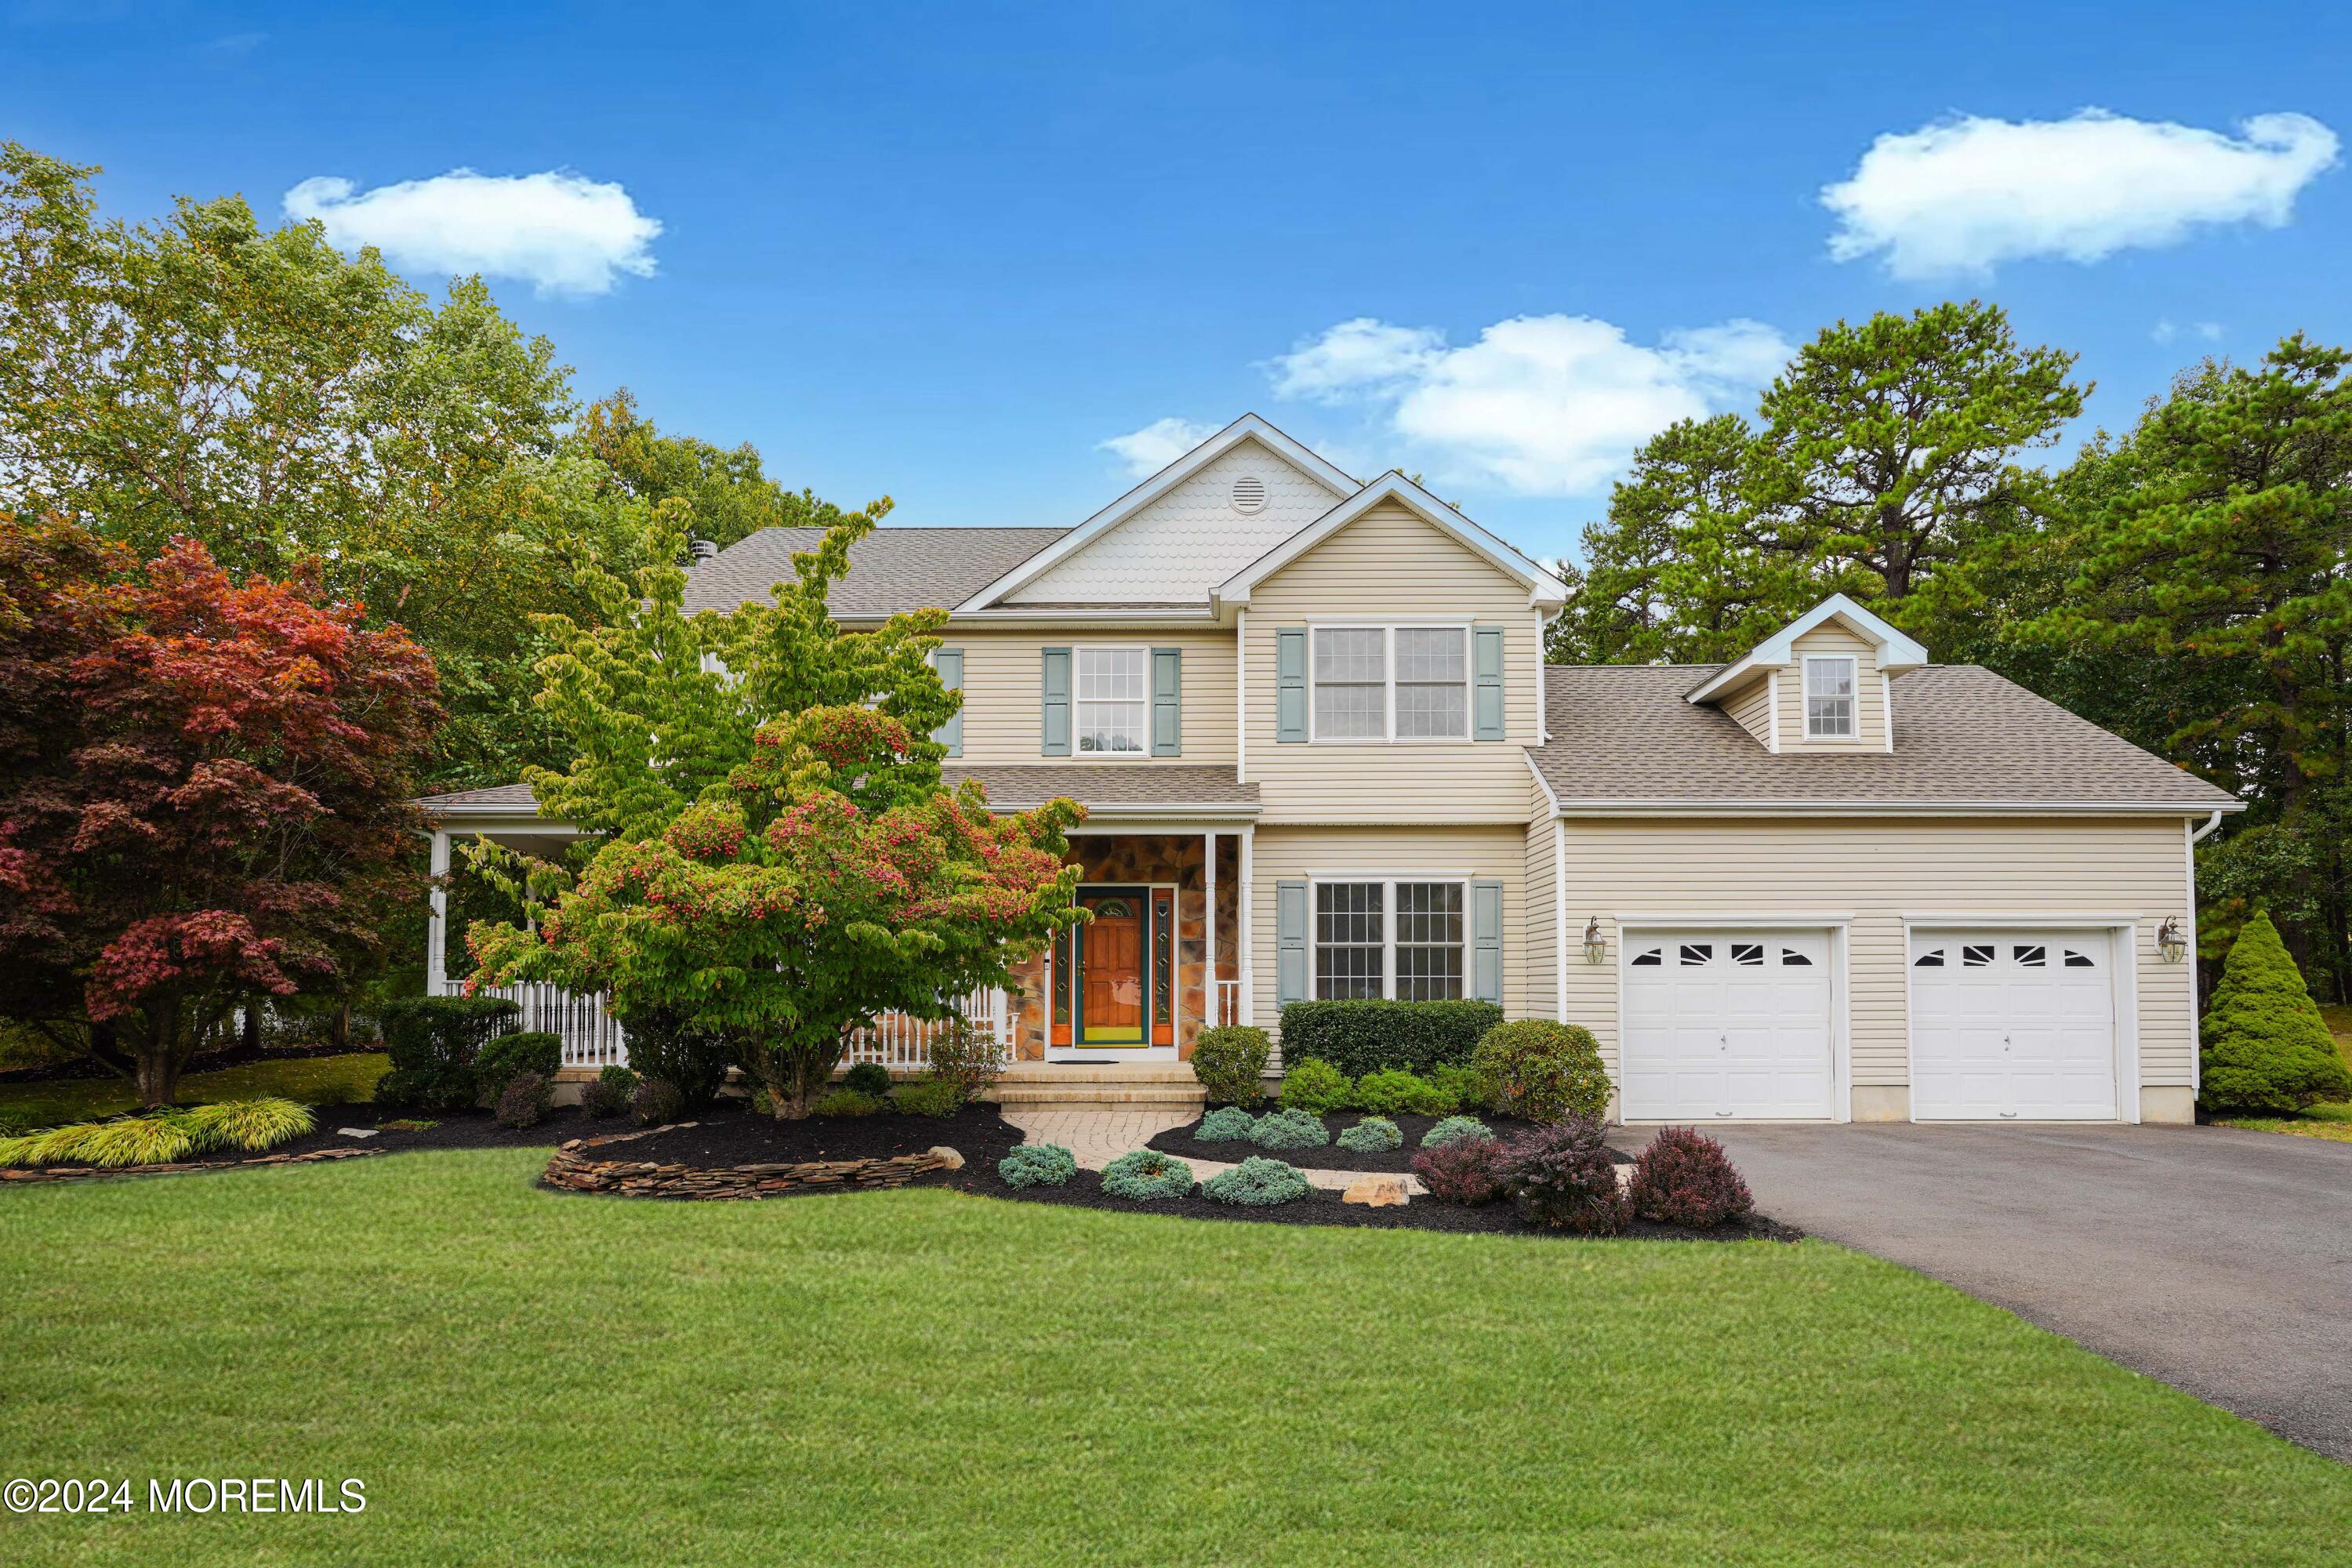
<point x="2013" y="1026"/>
<point x="1727" y="1024"/>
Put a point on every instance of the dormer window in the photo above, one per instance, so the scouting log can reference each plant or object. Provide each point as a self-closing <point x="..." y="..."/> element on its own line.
<point x="1829" y="696"/>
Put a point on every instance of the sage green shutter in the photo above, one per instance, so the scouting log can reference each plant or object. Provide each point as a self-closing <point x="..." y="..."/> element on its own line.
<point x="1486" y="696"/>
<point x="1486" y="942"/>
<point x="1290" y="684"/>
<point x="949" y="662"/>
<point x="1290" y="970"/>
<point x="1167" y="702"/>
<point x="1054" y="718"/>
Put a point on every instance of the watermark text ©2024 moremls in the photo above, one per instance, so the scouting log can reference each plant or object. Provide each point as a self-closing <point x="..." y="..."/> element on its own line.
<point x="186" y="1494"/>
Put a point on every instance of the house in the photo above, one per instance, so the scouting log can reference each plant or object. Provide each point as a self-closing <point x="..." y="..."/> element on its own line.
<point x="1322" y="756"/>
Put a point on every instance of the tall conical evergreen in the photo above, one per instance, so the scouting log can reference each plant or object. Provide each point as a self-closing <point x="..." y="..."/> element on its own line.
<point x="2266" y="1046"/>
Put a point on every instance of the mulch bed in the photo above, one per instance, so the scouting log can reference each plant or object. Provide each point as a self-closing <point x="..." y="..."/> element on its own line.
<point x="1180" y="1141"/>
<point x="728" y="1134"/>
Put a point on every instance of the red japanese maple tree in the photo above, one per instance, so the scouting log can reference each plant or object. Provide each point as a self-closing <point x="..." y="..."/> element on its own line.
<point x="203" y="793"/>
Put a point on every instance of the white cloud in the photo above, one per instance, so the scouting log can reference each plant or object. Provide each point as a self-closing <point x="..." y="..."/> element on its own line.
<point x="1147" y="451"/>
<point x="561" y="232"/>
<point x="1961" y="196"/>
<point x="2166" y="330"/>
<point x="1540" y="404"/>
<point x="2210" y="330"/>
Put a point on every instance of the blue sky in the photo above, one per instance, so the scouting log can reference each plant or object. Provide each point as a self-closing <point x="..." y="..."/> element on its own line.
<point x="947" y="253"/>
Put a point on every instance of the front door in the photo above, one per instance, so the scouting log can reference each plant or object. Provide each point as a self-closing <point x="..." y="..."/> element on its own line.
<point x="1114" y="979"/>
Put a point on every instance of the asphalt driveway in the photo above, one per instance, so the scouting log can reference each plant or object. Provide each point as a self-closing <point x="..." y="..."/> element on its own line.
<point x="2218" y="1260"/>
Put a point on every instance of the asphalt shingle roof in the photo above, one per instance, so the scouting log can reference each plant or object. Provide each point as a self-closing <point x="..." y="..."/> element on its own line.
<point x="1112" y="785"/>
<point x="890" y="570"/>
<point x="1621" y="734"/>
<point x="518" y="795"/>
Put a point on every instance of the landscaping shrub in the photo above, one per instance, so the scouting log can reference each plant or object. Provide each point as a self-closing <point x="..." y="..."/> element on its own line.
<point x="658" y="1102"/>
<point x="1226" y="1125"/>
<point x="1359" y="1038"/>
<point x="251" y="1125"/>
<point x="1372" y="1135"/>
<point x="133" y="1141"/>
<point x="691" y="1060"/>
<point x="1542" y="1071"/>
<point x="868" y="1078"/>
<point x="525" y="1099"/>
<point x="1231" y="1061"/>
<point x="1289" y="1130"/>
<point x="608" y="1093"/>
<point x="1684" y="1177"/>
<point x="1453" y="1130"/>
<point x="1147" y="1173"/>
<point x="1256" y="1182"/>
<point x="1461" y="1170"/>
<point x="1389" y="1091"/>
<point x="1036" y="1165"/>
<point x="931" y="1096"/>
<point x="2265" y="1047"/>
<point x="1313" y="1086"/>
<point x="433" y="1042"/>
<point x="1562" y="1178"/>
<point x="849" y="1102"/>
<point x="508" y="1056"/>
<point x="966" y="1058"/>
<point x="1454" y="1086"/>
<point x="161" y="1137"/>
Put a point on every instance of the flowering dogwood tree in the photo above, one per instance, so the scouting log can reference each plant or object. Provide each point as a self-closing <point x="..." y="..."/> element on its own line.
<point x="203" y="793"/>
<point x="783" y="860"/>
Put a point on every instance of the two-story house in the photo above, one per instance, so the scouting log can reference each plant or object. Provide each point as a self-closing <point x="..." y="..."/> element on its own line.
<point x="1322" y="756"/>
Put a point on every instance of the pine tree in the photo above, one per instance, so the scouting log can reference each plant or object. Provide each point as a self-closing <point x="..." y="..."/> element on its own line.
<point x="2266" y="1048"/>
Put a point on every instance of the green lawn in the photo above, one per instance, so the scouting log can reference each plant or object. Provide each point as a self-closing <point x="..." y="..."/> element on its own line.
<point x="925" y="1377"/>
<point x="314" y="1081"/>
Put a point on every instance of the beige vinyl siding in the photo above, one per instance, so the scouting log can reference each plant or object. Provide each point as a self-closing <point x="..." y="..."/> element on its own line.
<point x="1752" y="709"/>
<point x="1869" y="692"/>
<point x="1330" y="853"/>
<point x="1390" y="566"/>
<point x="1541" y="980"/>
<point x="1003" y="690"/>
<point x="1878" y="871"/>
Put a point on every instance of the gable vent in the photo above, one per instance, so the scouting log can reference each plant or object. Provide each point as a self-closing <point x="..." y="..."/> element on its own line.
<point x="1249" y="494"/>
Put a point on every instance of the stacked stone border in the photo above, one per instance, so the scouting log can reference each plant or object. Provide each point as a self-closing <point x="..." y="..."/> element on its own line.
<point x="573" y="1170"/>
<point x="86" y="1173"/>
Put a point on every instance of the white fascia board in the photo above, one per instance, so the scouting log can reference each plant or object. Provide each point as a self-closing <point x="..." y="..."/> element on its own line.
<point x="1895" y="651"/>
<point x="1146" y="818"/>
<point x="1885" y="808"/>
<point x="1542" y="782"/>
<point x="1105" y="616"/>
<point x="1544" y="590"/>
<point x="1248" y="427"/>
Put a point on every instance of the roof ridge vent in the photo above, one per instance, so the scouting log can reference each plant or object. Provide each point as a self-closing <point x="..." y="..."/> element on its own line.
<point x="1249" y="494"/>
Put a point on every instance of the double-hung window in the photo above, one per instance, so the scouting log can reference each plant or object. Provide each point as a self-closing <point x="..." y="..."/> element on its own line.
<point x="1114" y="702"/>
<point x="1392" y="683"/>
<point x="1402" y="939"/>
<point x="1829" y="698"/>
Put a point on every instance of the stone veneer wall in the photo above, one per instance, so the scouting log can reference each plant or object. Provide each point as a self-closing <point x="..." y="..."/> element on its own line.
<point x="1141" y="859"/>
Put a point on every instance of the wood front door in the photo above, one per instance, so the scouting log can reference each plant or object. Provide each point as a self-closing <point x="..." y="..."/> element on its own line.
<point x="1113" y="983"/>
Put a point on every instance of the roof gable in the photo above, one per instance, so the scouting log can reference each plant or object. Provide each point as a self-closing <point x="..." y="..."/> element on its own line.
<point x="1544" y="590"/>
<point x="1896" y="652"/>
<point x="1030" y="574"/>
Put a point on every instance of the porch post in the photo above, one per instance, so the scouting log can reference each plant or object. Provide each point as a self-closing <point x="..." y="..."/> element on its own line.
<point x="436" y="926"/>
<point x="1249" y="920"/>
<point x="1211" y="994"/>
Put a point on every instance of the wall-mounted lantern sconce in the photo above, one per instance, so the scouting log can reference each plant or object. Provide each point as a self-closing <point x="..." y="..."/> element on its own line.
<point x="2170" y="945"/>
<point x="1595" y="949"/>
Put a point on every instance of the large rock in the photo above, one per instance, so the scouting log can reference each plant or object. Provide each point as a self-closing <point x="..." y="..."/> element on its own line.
<point x="1376" y="1191"/>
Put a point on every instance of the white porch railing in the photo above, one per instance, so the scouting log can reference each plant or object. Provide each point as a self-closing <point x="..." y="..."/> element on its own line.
<point x="591" y="1037"/>
<point x="904" y="1044"/>
<point x="1228" y="1007"/>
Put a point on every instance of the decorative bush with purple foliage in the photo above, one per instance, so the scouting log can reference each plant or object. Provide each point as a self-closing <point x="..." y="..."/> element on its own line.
<point x="1461" y="1171"/>
<point x="524" y="1100"/>
<point x="1684" y="1177"/>
<point x="1562" y="1178"/>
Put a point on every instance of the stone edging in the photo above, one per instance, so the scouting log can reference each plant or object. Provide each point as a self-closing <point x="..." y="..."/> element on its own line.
<point x="572" y="1170"/>
<point x="84" y="1173"/>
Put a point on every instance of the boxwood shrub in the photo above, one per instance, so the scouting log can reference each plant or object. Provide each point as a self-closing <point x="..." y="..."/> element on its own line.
<point x="1392" y="1090"/>
<point x="433" y="1042"/>
<point x="1256" y="1182"/>
<point x="1290" y="1130"/>
<point x="1372" y="1135"/>
<point x="1229" y="1061"/>
<point x="1226" y="1125"/>
<point x="1359" y="1038"/>
<point x="1037" y="1166"/>
<point x="1542" y="1071"/>
<point x="507" y="1056"/>
<point x="931" y="1096"/>
<point x="1147" y="1173"/>
<point x="868" y="1078"/>
<point x="1315" y="1087"/>
<point x="849" y="1102"/>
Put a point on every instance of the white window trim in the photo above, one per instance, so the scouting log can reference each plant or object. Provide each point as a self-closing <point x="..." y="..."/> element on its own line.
<point x="1853" y="687"/>
<point x="1388" y="882"/>
<point x="1077" y="753"/>
<point x="1389" y="737"/>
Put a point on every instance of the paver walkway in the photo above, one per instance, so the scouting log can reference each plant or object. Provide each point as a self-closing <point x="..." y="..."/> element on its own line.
<point x="1097" y="1134"/>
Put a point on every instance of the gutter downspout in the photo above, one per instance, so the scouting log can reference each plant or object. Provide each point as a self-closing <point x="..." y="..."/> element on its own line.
<point x="2211" y="824"/>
